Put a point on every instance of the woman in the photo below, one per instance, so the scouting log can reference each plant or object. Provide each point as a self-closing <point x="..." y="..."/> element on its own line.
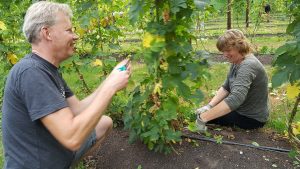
<point x="242" y="100"/>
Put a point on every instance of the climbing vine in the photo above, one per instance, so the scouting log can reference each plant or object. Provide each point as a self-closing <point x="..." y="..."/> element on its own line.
<point x="287" y="64"/>
<point x="163" y="101"/>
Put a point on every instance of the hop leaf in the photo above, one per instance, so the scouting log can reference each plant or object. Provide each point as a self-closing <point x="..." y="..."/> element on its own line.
<point x="97" y="62"/>
<point x="81" y="31"/>
<point x="12" y="58"/>
<point x="292" y="91"/>
<point x="93" y="23"/>
<point x="149" y="38"/>
<point x="164" y="66"/>
<point x="157" y="88"/>
<point x="296" y="128"/>
<point x="2" y="26"/>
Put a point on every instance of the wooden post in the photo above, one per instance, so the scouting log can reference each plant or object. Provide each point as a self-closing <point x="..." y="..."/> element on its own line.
<point x="229" y="14"/>
<point x="247" y="13"/>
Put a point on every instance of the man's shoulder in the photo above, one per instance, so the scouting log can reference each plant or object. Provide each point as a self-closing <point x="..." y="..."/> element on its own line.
<point x="26" y="63"/>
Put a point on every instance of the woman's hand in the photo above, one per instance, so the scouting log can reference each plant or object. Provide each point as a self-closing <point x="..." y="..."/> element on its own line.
<point x="203" y="109"/>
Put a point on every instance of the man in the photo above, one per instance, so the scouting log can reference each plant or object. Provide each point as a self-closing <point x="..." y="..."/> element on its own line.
<point x="44" y="125"/>
<point x="267" y="11"/>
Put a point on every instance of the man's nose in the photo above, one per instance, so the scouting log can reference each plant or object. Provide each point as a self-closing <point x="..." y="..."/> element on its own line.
<point x="75" y="36"/>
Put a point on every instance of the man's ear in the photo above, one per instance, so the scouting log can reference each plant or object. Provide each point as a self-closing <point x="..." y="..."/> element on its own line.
<point x="45" y="33"/>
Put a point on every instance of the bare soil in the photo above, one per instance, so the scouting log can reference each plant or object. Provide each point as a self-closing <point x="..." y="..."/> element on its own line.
<point x="117" y="153"/>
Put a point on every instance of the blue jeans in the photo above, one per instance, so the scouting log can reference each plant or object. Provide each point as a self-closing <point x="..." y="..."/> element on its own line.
<point x="91" y="140"/>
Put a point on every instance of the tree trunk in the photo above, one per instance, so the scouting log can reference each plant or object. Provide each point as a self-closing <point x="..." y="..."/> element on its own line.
<point x="229" y="14"/>
<point x="247" y="13"/>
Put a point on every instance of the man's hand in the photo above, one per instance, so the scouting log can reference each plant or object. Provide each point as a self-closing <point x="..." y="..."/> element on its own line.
<point x="118" y="79"/>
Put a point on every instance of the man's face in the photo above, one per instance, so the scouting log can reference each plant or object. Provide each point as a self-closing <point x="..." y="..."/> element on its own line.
<point x="233" y="55"/>
<point x="63" y="38"/>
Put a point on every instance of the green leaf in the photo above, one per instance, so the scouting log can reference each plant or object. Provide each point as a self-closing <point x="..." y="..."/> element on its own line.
<point x="200" y="4"/>
<point x="150" y="145"/>
<point x="255" y="144"/>
<point x="168" y="112"/>
<point x="293" y="153"/>
<point x="218" y="4"/>
<point x="284" y="60"/>
<point x="176" y="5"/>
<point x="135" y="9"/>
<point x="291" y="27"/>
<point x="192" y="127"/>
<point x="279" y="78"/>
<point x="173" y="135"/>
<point x="157" y="46"/>
<point x="183" y="89"/>
<point x="197" y="96"/>
<point x="295" y="75"/>
<point x="193" y="69"/>
<point x="152" y="134"/>
<point x="218" y="138"/>
<point x="170" y="106"/>
<point x="174" y="69"/>
<point x="281" y="50"/>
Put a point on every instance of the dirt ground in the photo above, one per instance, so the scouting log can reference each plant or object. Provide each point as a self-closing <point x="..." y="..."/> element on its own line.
<point x="117" y="153"/>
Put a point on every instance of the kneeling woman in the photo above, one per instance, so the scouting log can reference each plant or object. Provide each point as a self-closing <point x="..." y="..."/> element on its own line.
<point x="242" y="100"/>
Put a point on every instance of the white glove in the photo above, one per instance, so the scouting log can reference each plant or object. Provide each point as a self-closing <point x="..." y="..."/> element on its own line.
<point x="203" y="109"/>
<point x="201" y="125"/>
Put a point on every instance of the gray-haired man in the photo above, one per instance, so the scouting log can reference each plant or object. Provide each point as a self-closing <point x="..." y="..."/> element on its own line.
<point x="45" y="126"/>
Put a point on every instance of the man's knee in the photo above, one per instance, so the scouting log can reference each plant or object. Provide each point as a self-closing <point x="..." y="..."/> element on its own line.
<point x="107" y="121"/>
<point x="103" y="127"/>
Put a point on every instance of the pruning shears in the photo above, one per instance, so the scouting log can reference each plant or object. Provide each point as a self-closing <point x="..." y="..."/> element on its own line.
<point x="124" y="67"/>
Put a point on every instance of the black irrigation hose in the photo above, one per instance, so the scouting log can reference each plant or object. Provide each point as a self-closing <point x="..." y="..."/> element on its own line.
<point x="274" y="149"/>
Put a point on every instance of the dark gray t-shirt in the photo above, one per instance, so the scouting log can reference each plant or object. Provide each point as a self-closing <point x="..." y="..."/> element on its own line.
<point x="34" y="89"/>
<point x="247" y="84"/>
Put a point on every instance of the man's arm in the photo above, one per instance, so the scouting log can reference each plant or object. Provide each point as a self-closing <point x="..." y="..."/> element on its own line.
<point x="71" y="130"/>
<point x="78" y="106"/>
